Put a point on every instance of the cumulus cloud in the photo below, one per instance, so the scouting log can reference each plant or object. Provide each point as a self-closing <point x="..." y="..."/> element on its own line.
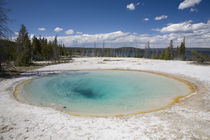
<point x="31" y="36"/>
<point x="58" y="29"/>
<point x="146" y="19"/>
<point x="131" y="6"/>
<point x="186" y="27"/>
<point x="161" y="17"/>
<point x="41" y="29"/>
<point x="197" y="35"/>
<point x="69" y="31"/>
<point x="193" y="10"/>
<point x="113" y="39"/>
<point x="79" y="33"/>
<point x="188" y="3"/>
<point x="16" y="33"/>
<point x="117" y="37"/>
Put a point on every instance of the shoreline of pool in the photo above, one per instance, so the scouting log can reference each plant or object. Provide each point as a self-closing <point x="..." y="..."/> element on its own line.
<point x="174" y="100"/>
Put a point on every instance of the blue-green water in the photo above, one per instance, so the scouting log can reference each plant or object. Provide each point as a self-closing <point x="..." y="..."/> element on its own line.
<point x="103" y="92"/>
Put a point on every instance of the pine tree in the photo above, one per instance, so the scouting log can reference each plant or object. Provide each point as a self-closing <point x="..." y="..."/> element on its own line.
<point x="7" y="52"/>
<point x="169" y="51"/>
<point x="182" y="50"/>
<point x="155" y="55"/>
<point x="44" y="49"/>
<point x="36" y="49"/>
<point x="139" y="55"/>
<point x="23" y="48"/>
<point x="177" y="52"/>
<point x="162" y="54"/>
<point x="55" y="51"/>
<point x="20" y="39"/>
<point x="50" y="51"/>
<point x="168" y="54"/>
<point x="27" y="51"/>
<point x="65" y="52"/>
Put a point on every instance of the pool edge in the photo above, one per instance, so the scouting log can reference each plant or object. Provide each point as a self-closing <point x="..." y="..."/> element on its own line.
<point x="177" y="99"/>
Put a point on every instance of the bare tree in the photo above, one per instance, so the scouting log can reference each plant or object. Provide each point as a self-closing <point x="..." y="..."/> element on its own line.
<point x="4" y="19"/>
<point x="4" y="32"/>
<point x="103" y="48"/>
<point x="147" y="51"/>
<point x="94" y="49"/>
<point x="171" y="48"/>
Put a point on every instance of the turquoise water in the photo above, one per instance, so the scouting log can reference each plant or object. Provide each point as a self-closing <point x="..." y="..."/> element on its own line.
<point x="108" y="92"/>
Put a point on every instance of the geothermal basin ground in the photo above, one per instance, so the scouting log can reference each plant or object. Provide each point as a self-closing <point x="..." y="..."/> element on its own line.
<point x="188" y="119"/>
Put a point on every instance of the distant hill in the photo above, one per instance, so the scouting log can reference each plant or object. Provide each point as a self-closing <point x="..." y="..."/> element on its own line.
<point x="128" y="51"/>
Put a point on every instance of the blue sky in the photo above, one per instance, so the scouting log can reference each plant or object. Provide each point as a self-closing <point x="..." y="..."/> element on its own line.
<point x="117" y="22"/>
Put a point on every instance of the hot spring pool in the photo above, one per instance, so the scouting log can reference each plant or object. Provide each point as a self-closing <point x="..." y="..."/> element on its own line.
<point x="102" y="93"/>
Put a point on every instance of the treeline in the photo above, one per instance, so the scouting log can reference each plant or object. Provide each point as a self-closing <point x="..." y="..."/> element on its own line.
<point x="179" y="54"/>
<point x="105" y="52"/>
<point x="24" y="51"/>
<point x="199" y="57"/>
<point x="168" y="53"/>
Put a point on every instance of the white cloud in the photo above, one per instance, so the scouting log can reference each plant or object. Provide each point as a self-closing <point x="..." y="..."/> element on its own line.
<point x="183" y="27"/>
<point x="197" y="35"/>
<point x="193" y="10"/>
<point x="31" y="36"/>
<point x="41" y="29"/>
<point x="16" y="33"/>
<point x="69" y="31"/>
<point x="188" y="3"/>
<point x="161" y="17"/>
<point x="79" y="33"/>
<point x="131" y="6"/>
<point x="146" y="19"/>
<point x="58" y="29"/>
<point x="113" y="37"/>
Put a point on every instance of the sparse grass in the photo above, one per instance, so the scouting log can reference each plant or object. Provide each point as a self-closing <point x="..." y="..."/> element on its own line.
<point x="203" y="64"/>
<point x="13" y="71"/>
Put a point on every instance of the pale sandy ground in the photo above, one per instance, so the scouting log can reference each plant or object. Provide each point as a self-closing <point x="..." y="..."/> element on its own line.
<point x="189" y="119"/>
